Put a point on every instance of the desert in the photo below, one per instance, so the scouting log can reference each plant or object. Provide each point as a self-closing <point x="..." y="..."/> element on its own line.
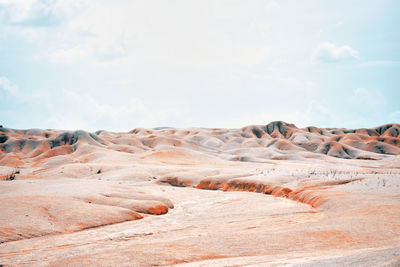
<point x="199" y="133"/>
<point x="261" y="195"/>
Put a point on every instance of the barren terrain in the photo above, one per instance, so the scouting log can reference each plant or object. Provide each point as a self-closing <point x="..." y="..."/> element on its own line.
<point x="270" y="194"/>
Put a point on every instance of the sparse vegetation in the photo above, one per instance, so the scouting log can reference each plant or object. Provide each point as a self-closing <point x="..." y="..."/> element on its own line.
<point x="11" y="176"/>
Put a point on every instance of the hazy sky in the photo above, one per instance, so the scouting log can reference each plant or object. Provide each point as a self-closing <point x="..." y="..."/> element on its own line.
<point x="117" y="65"/>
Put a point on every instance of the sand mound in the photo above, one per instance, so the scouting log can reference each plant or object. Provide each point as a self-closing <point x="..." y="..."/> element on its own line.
<point x="276" y="140"/>
<point x="47" y="206"/>
<point x="275" y="191"/>
<point x="34" y="216"/>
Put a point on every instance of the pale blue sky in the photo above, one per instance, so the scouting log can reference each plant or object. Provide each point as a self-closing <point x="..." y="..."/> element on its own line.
<point x="117" y="65"/>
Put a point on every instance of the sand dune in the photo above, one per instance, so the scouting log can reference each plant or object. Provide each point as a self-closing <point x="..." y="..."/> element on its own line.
<point x="261" y="194"/>
<point x="275" y="139"/>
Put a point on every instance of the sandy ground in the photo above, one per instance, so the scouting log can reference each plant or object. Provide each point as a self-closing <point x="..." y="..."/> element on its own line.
<point x="200" y="197"/>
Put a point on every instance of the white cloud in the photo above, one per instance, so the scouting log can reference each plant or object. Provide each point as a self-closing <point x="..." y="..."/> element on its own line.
<point x="66" y="122"/>
<point x="71" y="110"/>
<point x="91" y="107"/>
<point x="90" y="51"/>
<point x="261" y="118"/>
<point x="369" y="98"/>
<point x="69" y="55"/>
<point x="272" y="4"/>
<point x="328" y="53"/>
<point x="132" y="64"/>
<point x="38" y="12"/>
<point x="310" y="114"/>
<point x="13" y="90"/>
<point x="91" y="114"/>
<point x="18" y="11"/>
<point x="105" y="33"/>
<point x="10" y="88"/>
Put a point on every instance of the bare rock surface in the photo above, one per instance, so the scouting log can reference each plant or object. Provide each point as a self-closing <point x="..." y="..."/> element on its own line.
<point x="260" y="195"/>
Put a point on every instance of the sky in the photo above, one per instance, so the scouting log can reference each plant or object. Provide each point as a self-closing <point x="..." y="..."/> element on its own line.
<point x="118" y="65"/>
